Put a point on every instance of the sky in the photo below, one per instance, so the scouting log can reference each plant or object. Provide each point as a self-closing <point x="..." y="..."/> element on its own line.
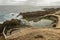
<point x="31" y="2"/>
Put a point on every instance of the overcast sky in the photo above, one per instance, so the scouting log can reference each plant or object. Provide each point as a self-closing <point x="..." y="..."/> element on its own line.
<point x="31" y="2"/>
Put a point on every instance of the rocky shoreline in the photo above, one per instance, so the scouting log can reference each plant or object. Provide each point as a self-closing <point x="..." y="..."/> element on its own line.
<point x="29" y="16"/>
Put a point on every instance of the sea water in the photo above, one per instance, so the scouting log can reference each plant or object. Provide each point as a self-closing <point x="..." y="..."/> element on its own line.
<point x="9" y="16"/>
<point x="2" y="19"/>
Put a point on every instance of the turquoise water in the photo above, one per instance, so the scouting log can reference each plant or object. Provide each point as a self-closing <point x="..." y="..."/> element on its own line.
<point x="4" y="17"/>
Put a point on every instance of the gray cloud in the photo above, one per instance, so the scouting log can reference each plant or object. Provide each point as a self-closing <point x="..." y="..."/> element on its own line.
<point x="31" y="2"/>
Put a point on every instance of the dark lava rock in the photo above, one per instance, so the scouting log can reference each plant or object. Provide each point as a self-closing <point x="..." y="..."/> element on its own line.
<point x="11" y="24"/>
<point x="1" y="28"/>
<point x="36" y="15"/>
<point x="32" y="15"/>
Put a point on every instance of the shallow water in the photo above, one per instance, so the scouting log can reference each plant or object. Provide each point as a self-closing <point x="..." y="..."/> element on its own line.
<point x="41" y="23"/>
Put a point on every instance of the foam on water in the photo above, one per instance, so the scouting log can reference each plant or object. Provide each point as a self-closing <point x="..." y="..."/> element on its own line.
<point x="4" y="17"/>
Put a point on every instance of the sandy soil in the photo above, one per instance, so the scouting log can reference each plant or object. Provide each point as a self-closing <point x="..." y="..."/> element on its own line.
<point x="36" y="34"/>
